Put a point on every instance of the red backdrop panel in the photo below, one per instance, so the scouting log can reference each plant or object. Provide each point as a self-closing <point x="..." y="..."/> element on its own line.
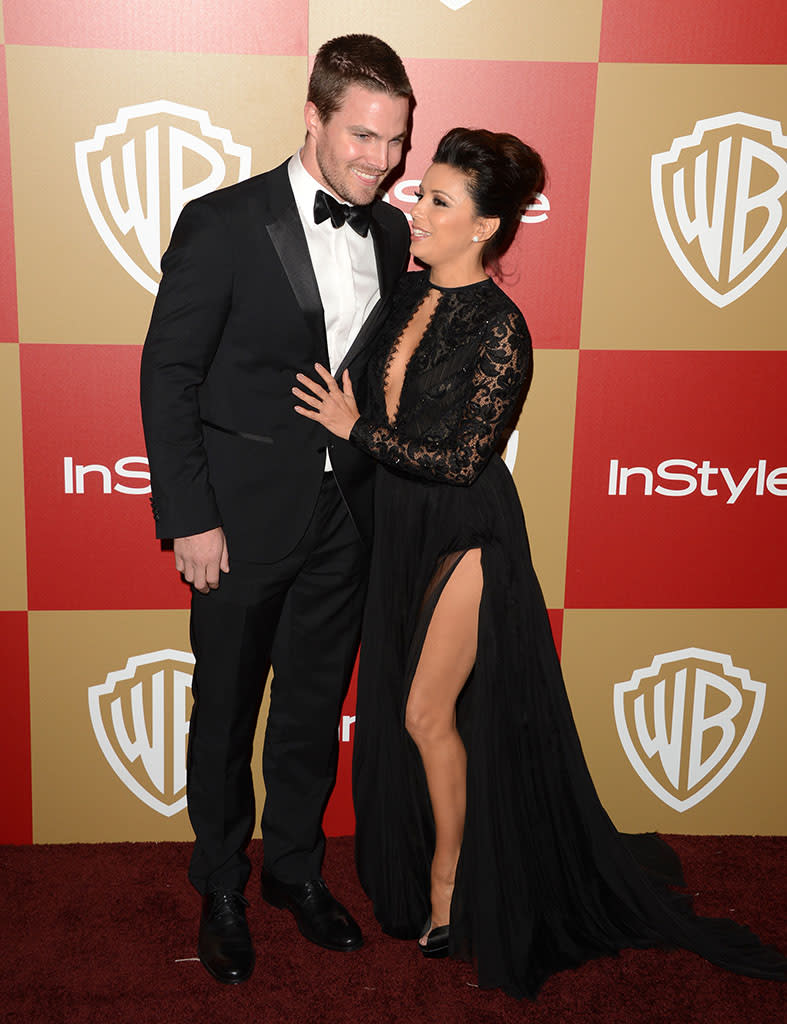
<point x="8" y="321"/>
<point x="339" y="815"/>
<point x="706" y="431"/>
<point x="550" y="106"/>
<point x="16" y="824"/>
<point x="203" y="26"/>
<point x="694" y="31"/>
<point x="90" y="543"/>
<point x="556" y="621"/>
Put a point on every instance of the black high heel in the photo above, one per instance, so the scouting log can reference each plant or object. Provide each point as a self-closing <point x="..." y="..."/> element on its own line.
<point x="436" y="945"/>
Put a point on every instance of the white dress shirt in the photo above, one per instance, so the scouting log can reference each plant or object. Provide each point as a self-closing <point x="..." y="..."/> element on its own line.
<point x="344" y="265"/>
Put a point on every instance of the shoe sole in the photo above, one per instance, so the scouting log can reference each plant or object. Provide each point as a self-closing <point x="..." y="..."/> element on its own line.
<point x="434" y="953"/>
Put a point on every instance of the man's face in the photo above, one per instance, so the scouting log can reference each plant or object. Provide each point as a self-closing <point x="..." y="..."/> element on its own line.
<point x="357" y="146"/>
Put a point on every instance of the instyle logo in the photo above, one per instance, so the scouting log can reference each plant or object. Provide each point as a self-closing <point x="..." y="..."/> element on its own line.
<point x="138" y="172"/>
<point x="511" y="450"/>
<point x="346" y="723"/>
<point x="681" y="477"/>
<point x="686" y="721"/>
<point x="720" y="199"/>
<point x="404" y="192"/>
<point x="97" y="478"/>
<point x="140" y="717"/>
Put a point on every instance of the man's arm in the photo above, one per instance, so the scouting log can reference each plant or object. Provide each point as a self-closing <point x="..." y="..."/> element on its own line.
<point x="186" y="327"/>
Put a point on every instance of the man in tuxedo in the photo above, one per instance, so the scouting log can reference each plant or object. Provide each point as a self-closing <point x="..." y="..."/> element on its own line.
<point x="270" y="515"/>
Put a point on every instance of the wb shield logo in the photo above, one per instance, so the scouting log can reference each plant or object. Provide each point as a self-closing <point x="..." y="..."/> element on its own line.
<point x="686" y="721"/>
<point x="720" y="198"/>
<point x="140" y="716"/>
<point x="138" y="172"/>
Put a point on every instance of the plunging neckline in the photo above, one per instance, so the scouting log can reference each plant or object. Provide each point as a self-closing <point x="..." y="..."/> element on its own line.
<point x="394" y="349"/>
<point x="442" y="291"/>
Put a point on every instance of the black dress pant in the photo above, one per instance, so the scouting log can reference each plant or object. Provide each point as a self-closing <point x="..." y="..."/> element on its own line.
<point x="302" y="615"/>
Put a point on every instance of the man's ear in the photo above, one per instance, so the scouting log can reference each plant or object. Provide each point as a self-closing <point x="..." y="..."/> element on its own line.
<point x="312" y="118"/>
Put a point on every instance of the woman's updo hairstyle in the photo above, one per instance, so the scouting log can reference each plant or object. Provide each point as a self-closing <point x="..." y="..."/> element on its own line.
<point x="505" y="175"/>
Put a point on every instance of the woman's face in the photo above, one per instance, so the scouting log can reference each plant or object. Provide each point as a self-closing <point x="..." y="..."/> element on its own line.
<point x="445" y="219"/>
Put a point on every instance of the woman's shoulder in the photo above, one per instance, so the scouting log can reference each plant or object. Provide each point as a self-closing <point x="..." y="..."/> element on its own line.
<point x="502" y="300"/>
<point x="504" y="314"/>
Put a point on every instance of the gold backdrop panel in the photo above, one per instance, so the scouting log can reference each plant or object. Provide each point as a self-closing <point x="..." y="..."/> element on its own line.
<point x="79" y="795"/>
<point x="91" y="222"/>
<point x="468" y="29"/>
<point x="13" y="570"/>
<point x="110" y="699"/>
<point x="699" y="700"/>
<point x="686" y="251"/>
<point x="541" y="452"/>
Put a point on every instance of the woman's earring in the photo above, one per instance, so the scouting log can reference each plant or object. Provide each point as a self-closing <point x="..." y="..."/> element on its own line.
<point x="475" y="238"/>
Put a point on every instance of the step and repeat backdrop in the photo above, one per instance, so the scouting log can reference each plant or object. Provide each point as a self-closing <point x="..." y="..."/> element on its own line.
<point x="650" y="457"/>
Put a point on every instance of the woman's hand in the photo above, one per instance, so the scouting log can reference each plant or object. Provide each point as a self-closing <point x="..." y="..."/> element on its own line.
<point x="330" y="405"/>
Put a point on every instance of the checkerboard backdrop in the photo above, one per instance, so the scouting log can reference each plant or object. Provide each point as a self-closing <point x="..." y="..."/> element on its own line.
<point x="650" y="457"/>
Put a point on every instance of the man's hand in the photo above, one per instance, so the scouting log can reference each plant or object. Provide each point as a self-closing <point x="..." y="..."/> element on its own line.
<point x="200" y="557"/>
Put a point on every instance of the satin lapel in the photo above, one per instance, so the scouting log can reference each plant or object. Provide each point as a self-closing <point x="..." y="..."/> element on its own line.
<point x="286" y="232"/>
<point x="385" y="257"/>
<point x="386" y="270"/>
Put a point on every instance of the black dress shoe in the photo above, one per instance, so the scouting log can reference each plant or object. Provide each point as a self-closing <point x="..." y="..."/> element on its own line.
<point x="436" y="944"/>
<point x="225" y="947"/>
<point x="320" y="918"/>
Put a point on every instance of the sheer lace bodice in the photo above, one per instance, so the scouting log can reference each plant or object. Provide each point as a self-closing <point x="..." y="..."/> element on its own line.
<point x="461" y="385"/>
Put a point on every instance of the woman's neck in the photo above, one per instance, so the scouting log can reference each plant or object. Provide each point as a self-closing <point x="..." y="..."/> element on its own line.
<point x="453" y="275"/>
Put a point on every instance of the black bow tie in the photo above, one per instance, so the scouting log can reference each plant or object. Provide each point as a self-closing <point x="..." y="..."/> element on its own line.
<point x="358" y="217"/>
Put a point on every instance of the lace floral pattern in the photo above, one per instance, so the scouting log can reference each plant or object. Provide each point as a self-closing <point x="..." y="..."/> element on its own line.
<point x="460" y="388"/>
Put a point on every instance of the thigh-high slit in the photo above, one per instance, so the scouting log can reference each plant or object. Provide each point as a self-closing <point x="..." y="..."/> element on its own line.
<point x="544" y="880"/>
<point x="445" y="648"/>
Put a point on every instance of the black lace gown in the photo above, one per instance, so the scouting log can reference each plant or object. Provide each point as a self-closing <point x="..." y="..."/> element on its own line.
<point x="544" y="880"/>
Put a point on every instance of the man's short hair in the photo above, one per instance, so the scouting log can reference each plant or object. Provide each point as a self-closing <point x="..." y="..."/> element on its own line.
<point x="354" y="60"/>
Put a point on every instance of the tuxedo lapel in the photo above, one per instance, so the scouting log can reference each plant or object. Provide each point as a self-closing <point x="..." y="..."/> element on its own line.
<point x="285" y="231"/>
<point x="384" y="251"/>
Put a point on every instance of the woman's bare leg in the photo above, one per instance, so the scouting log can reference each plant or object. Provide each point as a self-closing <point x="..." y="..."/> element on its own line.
<point x="446" y="660"/>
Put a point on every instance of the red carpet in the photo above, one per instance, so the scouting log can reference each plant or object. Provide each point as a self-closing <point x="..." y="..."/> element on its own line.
<point x="106" y="934"/>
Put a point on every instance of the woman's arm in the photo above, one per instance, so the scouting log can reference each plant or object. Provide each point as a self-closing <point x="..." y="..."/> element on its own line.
<point x="504" y="362"/>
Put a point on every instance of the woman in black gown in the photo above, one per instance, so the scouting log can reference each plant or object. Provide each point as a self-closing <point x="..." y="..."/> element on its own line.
<point x="475" y="810"/>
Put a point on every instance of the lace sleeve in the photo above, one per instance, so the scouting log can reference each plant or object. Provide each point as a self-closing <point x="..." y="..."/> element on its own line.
<point x="503" y="364"/>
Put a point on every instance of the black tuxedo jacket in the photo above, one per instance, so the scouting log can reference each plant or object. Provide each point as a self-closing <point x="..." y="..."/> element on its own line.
<point x="238" y="313"/>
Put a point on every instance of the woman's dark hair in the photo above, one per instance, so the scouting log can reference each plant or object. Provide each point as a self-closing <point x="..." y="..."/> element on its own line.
<point x="356" y="59"/>
<point x="505" y="176"/>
